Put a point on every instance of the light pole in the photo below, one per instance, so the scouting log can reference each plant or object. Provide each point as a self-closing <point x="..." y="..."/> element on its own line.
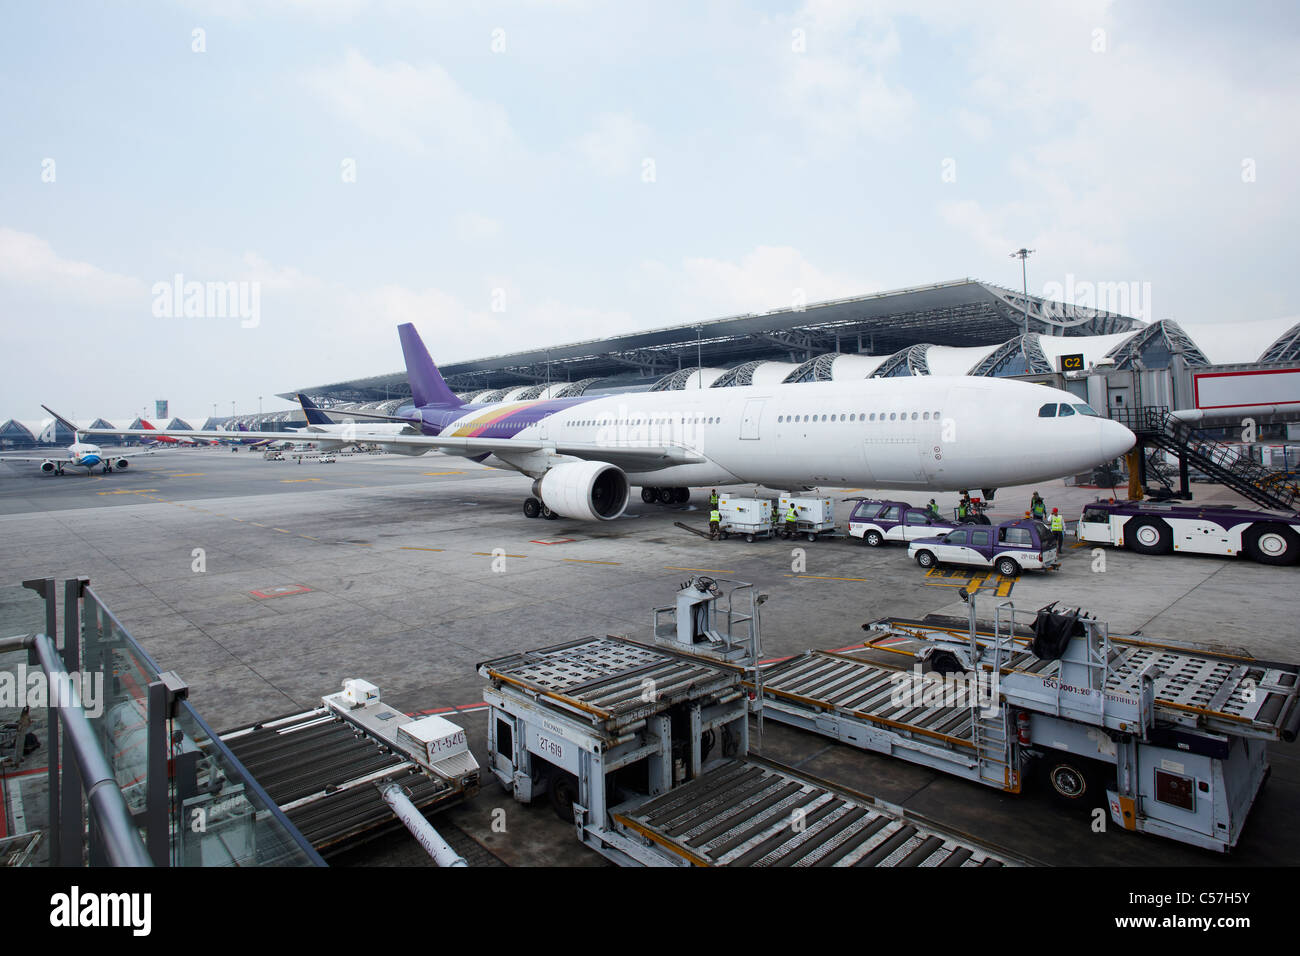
<point x="232" y="408"/>
<point x="699" y="357"/>
<point x="259" y="411"/>
<point x="1023" y="254"/>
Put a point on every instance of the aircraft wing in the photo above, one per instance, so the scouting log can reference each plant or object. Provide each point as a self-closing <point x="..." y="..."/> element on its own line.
<point x="623" y="456"/>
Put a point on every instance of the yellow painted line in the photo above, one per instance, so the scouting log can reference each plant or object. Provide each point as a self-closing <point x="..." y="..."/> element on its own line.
<point x="233" y="518"/>
<point x="258" y="523"/>
<point x="670" y="567"/>
<point x="127" y="491"/>
<point x="295" y="481"/>
<point x="435" y="474"/>
<point x="823" y="577"/>
<point x="308" y="537"/>
<point x="583" y="561"/>
<point x="488" y="554"/>
<point x="408" y="548"/>
<point x="283" y="531"/>
<point x="359" y="544"/>
<point x="193" y="474"/>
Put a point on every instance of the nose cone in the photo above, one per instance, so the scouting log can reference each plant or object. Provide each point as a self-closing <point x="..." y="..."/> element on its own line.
<point x="1115" y="439"/>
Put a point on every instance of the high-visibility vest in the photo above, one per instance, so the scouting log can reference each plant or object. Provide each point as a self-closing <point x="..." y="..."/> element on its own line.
<point x="1058" y="523"/>
<point x="961" y="509"/>
<point x="714" y="515"/>
<point x="1039" y="508"/>
<point x="792" y="514"/>
<point x="713" y="499"/>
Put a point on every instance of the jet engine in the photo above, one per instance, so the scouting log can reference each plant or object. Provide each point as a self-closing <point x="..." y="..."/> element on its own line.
<point x="585" y="490"/>
<point x="48" y="467"/>
<point x="121" y="464"/>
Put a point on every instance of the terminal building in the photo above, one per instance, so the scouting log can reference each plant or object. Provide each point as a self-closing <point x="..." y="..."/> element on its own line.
<point x="1208" y="374"/>
<point x="963" y="327"/>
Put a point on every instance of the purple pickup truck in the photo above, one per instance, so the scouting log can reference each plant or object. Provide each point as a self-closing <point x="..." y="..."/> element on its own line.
<point x="877" y="521"/>
<point x="1008" y="548"/>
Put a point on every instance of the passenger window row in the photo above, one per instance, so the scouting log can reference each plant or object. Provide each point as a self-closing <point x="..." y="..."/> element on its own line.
<point x="863" y="417"/>
<point x="698" y="420"/>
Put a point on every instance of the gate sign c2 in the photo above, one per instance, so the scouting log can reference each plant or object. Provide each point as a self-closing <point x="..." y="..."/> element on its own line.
<point x="1072" y="363"/>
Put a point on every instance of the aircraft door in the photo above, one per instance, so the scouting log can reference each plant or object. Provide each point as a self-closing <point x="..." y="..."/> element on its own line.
<point x="750" y="418"/>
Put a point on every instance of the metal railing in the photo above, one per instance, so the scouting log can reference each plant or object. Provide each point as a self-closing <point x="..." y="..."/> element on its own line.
<point x="1156" y="425"/>
<point x="159" y="787"/>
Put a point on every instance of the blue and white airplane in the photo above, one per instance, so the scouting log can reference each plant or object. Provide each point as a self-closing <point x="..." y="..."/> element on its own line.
<point x="584" y="454"/>
<point x="80" y="455"/>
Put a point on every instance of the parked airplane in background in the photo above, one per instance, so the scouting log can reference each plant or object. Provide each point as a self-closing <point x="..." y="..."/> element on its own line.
<point x="81" y="455"/>
<point x="348" y="433"/>
<point x="163" y="438"/>
<point x="917" y="433"/>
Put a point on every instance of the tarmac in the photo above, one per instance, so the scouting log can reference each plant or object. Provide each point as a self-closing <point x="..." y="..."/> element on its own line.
<point x="266" y="583"/>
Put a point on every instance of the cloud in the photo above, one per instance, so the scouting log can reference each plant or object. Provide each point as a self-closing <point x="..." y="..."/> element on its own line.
<point x="418" y="108"/>
<point x="29" y="262"/>
<point x="767" y="279"/>
<point x="834" y="75"/>
<point x="475" y="227"/>
<point x="616" y="145"/>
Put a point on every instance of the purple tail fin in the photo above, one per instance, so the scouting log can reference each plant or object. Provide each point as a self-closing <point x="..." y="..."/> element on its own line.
<point x="427" y="386"/>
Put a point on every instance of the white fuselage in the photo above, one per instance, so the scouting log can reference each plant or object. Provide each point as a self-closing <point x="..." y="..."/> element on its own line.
<point x="335" y="437"/>
<point x="919" y="432"/>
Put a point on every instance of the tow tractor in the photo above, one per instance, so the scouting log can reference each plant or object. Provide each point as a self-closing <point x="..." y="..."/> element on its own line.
<point x="645" y="750"/>
<point x="1146" y="528"/>
<point x="1171" y="739"/>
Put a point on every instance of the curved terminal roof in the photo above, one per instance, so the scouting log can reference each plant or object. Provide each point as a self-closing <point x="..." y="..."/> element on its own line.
<point x="960" y="313"/>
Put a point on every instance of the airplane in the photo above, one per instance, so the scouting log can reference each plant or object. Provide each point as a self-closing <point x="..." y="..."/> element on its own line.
<point x="913" y="433"/>
<point x="164" y="438"/>
<point x="320" y="424"/>
<point x="81" y="455"/>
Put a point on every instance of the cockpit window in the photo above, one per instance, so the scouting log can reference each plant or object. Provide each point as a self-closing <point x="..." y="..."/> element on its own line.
<point x="1047" y="411"/>
<point x="1086" y="410"/>
<point x="1066" y="410"/>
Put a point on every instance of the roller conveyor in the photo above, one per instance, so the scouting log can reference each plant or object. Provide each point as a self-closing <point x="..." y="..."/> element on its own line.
<point x="743" y="813"/>
<point x="644" y="750"/>
<point x="1227" y="694"/>
<point x="321" y="770"/>
<point x="862" y="689"/>
<point x="607" y="680"/>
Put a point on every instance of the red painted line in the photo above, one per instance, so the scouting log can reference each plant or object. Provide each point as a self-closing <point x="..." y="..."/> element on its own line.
<point x="467" y="706"/>
<point x="773" y="660"/>
<point x="28" y="773"/>
<point x="553" y="541"/>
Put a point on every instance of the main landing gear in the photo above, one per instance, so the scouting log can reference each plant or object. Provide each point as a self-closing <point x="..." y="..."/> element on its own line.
<point x="534" y="508"/>
<point x="666" y="496"/>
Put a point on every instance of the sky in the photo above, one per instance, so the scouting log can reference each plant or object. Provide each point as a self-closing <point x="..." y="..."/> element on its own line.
<point x="209" y="201"/>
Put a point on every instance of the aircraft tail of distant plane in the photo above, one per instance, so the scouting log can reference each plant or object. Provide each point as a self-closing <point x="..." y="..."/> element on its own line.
<point x="313" y="412"/>
<point x="427" y="385"/>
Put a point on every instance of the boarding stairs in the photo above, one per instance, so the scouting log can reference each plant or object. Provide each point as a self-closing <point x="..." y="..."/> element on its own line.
<point x="1155" y="425"/>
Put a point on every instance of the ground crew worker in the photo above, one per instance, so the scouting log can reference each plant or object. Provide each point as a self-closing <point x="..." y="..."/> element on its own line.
<point x="933" y="509"/>
<point x="1058" y="529"/>
<point x="1038" y="506"/>
<point x="791" y="520"/>
<point x="715" y="519"/>
<point x="713" y="498"/>
<point x="963" y="507"/>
